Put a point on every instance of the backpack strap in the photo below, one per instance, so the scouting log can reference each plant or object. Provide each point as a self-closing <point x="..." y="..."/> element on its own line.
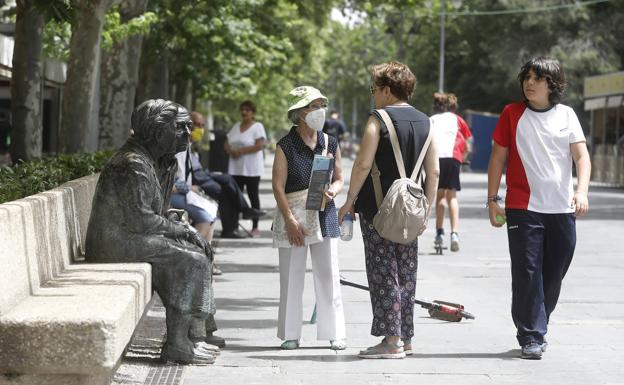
<point x="377" y="184"/>
<point x="326" y="148"/>
<point x="398" y="157"/>
<point x="423" y="152"/>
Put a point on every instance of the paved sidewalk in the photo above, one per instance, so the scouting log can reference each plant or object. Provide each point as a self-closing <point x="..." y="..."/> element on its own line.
<point x="586" y="336"/>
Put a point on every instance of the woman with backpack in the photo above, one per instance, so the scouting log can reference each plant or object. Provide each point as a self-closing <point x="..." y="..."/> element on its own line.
<point x="390" y="265"/>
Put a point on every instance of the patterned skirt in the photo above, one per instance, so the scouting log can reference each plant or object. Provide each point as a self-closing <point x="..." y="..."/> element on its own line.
<point x="391" y="270"/>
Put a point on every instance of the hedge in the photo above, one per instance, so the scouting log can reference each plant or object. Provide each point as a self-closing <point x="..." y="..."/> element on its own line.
<point x="35" y="176"/>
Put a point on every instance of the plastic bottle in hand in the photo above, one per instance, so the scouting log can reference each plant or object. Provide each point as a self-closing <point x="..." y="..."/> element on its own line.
<point x="346" y="227"/>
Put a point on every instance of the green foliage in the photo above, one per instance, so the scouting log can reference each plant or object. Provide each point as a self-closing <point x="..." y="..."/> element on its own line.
<point x="56" y="36"/>
<point x="32" y="177"/>
<point x="115" y="30"/>
<point x="237" y="50"/>
<point x="483" y="53"/>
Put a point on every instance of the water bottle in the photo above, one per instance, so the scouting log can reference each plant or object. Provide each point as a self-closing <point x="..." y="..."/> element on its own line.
<point x="346" y="228"/>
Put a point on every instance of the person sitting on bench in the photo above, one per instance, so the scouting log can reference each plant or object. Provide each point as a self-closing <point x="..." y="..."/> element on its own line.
<point x="221" y="187"/>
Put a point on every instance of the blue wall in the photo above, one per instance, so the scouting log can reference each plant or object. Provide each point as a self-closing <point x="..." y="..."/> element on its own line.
<point x="482" y="126"/>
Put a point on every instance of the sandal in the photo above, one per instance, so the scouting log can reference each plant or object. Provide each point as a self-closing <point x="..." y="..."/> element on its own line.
<point x="407" y="347"/>
<point x="290" y="345"/>
<point x="383" y="350"/>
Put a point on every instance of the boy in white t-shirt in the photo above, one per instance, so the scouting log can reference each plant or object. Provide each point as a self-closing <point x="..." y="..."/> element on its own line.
<point x="539" y="139"/>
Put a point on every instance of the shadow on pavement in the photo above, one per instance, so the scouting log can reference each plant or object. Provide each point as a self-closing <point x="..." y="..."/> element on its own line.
<point x="245" y="268"/>
<point x="247" y="323"/>
<point x="508" y="355"/>
<point x="330" y="357"/>
<point x="245" y="303"/>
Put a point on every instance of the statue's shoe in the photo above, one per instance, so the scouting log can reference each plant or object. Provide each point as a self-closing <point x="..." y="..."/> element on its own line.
<point x="215" y="340"/>
<point x="212" y="349"/>
<point x="196" y="357"/>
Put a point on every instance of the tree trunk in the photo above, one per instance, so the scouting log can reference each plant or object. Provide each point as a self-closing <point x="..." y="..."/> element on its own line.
<point x="184" y="92"/>
<point x="80" y="100"/>
<point x="119" y="79"/>
<point x="26" y="83"/>
<point x="153" y="75"/>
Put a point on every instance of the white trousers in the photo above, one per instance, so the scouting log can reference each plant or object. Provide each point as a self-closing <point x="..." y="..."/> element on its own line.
<point x="329" y="311"/>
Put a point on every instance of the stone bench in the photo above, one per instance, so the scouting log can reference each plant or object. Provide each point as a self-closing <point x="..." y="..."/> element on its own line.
<point x="62" y="322"/>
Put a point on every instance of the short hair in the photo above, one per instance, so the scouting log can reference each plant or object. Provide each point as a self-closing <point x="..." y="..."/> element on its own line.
<point x="395" y="75"/>
<point x="443" y="102"/>
<point x="197" y="116"/>
<point x="295" y="115"/>
<point x="248" y="104"/>
<point x="151" y="116"/>
<point x="549" y="68"/>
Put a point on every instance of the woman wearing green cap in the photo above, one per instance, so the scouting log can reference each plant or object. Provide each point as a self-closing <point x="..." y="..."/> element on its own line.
<point x="292" y="168"/>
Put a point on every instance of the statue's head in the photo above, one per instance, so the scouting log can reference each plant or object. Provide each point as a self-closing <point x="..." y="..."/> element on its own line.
<point x="162" y="126"/>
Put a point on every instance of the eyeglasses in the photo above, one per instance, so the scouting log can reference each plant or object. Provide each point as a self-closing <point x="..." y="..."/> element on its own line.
<point x="374" y="87"/>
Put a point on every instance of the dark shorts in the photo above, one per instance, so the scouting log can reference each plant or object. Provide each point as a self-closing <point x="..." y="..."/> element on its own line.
<point x="449" y="174"/>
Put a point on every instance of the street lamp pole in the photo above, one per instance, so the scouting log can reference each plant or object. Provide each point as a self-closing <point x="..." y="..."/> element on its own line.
<point x="441" y="70"/>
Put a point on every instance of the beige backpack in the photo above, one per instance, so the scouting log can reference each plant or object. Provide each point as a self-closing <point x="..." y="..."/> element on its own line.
<point x="403" y="211"/>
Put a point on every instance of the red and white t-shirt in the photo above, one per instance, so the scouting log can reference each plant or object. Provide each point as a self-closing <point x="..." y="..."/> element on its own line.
<point x="451" y="133"/>
<point x="539" y="170"/>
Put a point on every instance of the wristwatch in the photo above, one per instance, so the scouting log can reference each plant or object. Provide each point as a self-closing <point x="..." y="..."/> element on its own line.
<point x="493" y="198"/>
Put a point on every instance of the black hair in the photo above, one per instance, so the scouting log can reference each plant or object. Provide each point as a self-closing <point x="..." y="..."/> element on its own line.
<point x="249" y="105"/>
<point x="549" y="68"/>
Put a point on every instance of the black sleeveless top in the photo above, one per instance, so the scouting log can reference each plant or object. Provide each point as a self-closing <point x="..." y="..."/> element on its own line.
<point x="412" y="127"/>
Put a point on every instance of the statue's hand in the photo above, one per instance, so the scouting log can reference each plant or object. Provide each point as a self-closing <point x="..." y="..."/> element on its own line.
<point x="177" y="215"/>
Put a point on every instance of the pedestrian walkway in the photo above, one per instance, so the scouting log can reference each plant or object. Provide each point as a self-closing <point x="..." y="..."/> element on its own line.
<point x="586" y="341"/>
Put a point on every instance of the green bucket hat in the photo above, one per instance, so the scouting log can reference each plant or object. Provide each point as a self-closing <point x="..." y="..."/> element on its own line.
<point x="302" y="96"/>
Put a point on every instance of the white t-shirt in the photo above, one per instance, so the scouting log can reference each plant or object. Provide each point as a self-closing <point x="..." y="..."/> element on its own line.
<point x="451" y="134"/>
<point x="539" y="171"/>
<point x="247" y="164"/>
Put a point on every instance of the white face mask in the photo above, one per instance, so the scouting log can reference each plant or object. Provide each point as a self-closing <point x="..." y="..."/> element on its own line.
<point x="316" y="119"/>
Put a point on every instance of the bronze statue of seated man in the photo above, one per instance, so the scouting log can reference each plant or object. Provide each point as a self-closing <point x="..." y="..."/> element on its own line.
<point x="129" y="223"/>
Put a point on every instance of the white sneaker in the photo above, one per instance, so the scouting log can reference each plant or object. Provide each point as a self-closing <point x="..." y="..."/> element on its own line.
<point x="337" y="344"/>
<point x="454" y="242"/>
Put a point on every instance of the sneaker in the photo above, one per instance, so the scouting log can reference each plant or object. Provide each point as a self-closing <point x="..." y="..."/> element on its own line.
<point x="532" y="351"/>
<point x="337" y="344"/>
<point x="290" y="345"/>
<point x="439" y="240"/>
<point x="544" y="346"/>
<point x="216" y="270"/>
<point x="255" y="233"/>
<point x="454" y="242"/>
<point x="383" y="350"/>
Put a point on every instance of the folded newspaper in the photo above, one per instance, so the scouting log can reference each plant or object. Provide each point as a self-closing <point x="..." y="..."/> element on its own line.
<point x="320" y="179"/>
